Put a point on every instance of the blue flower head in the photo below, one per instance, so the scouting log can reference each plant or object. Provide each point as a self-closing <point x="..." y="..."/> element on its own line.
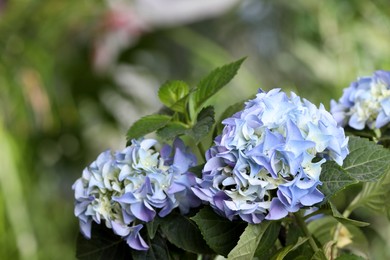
<point x="133" y="186"/>
<point x="267" y="161"/>
<point x="365" y="103"/>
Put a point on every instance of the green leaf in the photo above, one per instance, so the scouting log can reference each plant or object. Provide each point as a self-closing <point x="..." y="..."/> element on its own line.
<point x="360" y="244"/>
<point x="322" y="228"/>
<point x="204" y="124"/>
<point x="215" y="81"/>
<point x="367" y="161"/>
<point x="158" y="250"/>
<point x="292" y="234"/>
<point x="153" y="226"/>
<point x="220" y="234"/>
<point x="343" y="220"/>
<point x="146" y="125"/>
<point x="172" y="130"/>
<point x="104" y="244"/>
<point x="249" y="240"/>
<point x="334" y="179"/>
<point x="202" y="127"/>
<point x="319" y="255"/>
<point x="171" y="92"/>
<point x="197" y="170"/>
<point x="349" y="257"/>
<point x="184" y="233"/>
<point x="268" y="240"/>
<point x="181" y="104"/>
<point x="375" y="195"/>
<point x="285" y="250"/>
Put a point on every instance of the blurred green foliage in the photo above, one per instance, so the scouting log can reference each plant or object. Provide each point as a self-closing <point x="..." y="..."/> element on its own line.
<point x="58" y="112"/>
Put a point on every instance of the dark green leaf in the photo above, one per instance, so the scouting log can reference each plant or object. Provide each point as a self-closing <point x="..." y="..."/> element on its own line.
<point x="146" y="125"/>
<point x="179" y="254"/>
<point x="197" y="170"/>
<point x="249" y="241"/>
<point x="349" y="257"/>
<point x="152" y="227"/>
<point x="268" y="240"/>
<point x="171" y="92"/>
<point x="158" y="250"/>
<point x="220" y="234"/>
<point x="340" y="218"/>
<point x="165" y="111"/>
<point x="294" y="233"/>
<point x="204" y="124"/>
<point x="281" y="254"/>
<point x="334" y="179"/>
<point x="171" y="130"/>
<point x="104" y="244"/>
<point x="367" y="161"/>
<point x="184" y="233"/>
<point x="215" y="81"/>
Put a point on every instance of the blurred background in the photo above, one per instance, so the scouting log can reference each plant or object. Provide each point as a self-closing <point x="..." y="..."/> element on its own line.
<point x="75" y="74"/>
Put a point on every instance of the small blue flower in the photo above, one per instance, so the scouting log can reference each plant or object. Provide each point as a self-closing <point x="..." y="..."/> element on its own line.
<point x="365" y="103"/>
<point x="267" y="161"/>
<point x="133" y="186"/>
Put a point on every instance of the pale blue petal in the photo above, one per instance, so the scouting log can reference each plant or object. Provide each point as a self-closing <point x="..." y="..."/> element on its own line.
<point x="135" y="241"/>
<point x="142" y="211"/>
<point x="277" y="210"/>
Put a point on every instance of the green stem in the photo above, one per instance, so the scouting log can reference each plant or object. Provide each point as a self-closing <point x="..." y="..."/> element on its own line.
<point x="301" y="223"/>
<point x="187" y="118"/>
<point x="351" y="207"/>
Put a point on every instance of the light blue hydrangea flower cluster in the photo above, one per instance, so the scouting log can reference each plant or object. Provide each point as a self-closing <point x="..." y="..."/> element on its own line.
<point x="132" y="186"/>
<point x="365" y="103"/>
<point x="267" y="162"/>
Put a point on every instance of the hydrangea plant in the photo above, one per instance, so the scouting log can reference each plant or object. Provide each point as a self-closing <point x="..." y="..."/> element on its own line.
<point x="130" y="187"/>
<point x="365" y="103"/>
<point x="258" y="183"/>
<point x="267" y="162"/>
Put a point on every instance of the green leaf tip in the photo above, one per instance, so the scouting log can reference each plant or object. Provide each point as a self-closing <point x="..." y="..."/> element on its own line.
<point x="343" y="220"/>
<point x="146" y="125"/>
<point x="215" y="81"/>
